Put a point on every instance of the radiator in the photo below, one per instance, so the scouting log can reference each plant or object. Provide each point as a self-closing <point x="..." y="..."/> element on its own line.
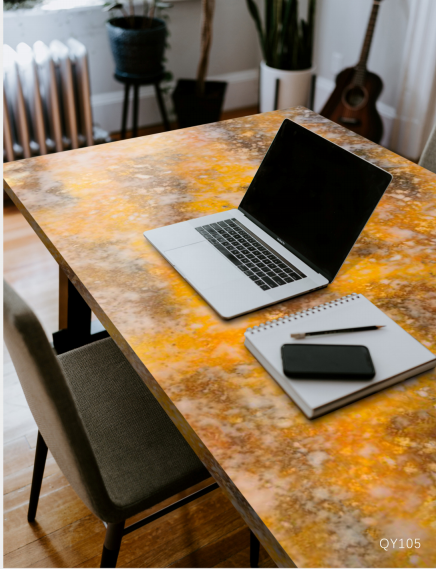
<point x="47" y="100"/>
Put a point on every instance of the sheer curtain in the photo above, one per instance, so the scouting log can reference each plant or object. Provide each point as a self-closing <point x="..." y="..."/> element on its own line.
<point x="416" y="105"/>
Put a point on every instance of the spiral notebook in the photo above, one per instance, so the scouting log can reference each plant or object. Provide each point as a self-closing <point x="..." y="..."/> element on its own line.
<point x="396" y="355"/>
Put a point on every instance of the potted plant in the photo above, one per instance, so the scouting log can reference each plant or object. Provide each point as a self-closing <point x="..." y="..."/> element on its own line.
<point x="137" y="41"/>
<point x="199" y="101"/>
<point x="287" y="46"/>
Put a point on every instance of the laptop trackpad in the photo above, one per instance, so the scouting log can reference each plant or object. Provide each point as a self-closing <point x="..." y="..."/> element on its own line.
<point x="203" y="265"/>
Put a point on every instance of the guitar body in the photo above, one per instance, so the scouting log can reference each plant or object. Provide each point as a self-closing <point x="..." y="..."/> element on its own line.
<point x="354" y="106"/>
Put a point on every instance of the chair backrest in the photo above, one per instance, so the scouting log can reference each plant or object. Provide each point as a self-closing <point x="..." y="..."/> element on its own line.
<point x="51" y="401"/>
<point x="428" y="156"/>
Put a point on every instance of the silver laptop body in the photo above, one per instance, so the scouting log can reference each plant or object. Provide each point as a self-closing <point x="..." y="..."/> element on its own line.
<point x="264" y="252"/>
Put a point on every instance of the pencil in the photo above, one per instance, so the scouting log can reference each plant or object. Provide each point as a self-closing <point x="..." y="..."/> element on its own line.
<point x="302" y="335"/>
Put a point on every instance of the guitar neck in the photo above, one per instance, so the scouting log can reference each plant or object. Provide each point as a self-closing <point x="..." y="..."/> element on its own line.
<point x="361" y="66"/>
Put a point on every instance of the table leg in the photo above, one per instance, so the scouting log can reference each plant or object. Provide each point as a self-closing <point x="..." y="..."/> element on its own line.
<point x="125" y="109"/>
<point x="254" y="550"/>
<point x="162" y="108"/>
<point x="63" y="300"/>
<point x="135" y="111"/>
<point x="74" y="319"/>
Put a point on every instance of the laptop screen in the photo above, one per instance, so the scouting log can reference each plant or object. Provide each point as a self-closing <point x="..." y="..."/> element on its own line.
<point x="314" y="196"/>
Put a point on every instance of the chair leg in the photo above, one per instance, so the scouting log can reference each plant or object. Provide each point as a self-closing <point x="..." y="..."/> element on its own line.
<point x="254" y="550"/>
<point x="112" y="544"/>
<point x="162" y="108"/>
<point x="38" y="473"/>
<point x="135" y="110"/>
<point x="125" y="109"/>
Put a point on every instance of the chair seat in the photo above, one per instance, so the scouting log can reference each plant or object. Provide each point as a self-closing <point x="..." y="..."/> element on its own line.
<point x="142" y="456"/>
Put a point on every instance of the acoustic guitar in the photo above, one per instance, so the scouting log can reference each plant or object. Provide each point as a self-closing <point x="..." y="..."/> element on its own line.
<point x="352" y="103"/>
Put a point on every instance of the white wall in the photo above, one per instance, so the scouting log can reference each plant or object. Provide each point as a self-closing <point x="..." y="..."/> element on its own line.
<point x="234" y="57"/>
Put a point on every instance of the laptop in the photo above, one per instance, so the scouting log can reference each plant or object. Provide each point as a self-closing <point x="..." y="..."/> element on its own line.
<point x="301" y="215"/>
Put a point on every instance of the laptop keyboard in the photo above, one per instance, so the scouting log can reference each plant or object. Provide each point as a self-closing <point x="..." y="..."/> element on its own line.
<point x="260" y="264"/>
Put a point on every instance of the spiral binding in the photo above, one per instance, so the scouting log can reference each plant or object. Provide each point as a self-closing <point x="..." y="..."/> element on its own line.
<point x="301" y="314"/>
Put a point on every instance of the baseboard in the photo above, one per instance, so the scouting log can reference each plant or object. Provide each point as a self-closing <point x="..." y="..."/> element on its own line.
<point x="242" y="91"/>
<point x="324" y="88"/>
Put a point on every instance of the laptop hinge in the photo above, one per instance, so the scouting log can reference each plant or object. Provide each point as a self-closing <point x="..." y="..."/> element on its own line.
<point x="286" y="246"/>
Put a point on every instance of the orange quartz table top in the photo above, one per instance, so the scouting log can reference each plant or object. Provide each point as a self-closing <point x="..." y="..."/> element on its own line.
<point x="320" y="492"/>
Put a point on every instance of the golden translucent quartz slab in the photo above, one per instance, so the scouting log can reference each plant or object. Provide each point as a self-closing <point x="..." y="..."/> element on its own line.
<point x="321" y="492"/>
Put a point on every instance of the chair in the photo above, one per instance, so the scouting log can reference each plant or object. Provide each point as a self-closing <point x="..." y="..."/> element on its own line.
<point x="428" y="156"/>
<point x="114" y="443"/>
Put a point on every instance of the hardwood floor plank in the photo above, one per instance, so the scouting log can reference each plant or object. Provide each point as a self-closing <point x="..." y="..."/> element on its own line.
<point x="17" y="425"/>
<point x="190" y="528"/>
<point x="266" y="561"/>
<point x="12" y="390"/>
<point x="153" y="129"/>
<point x="31" y="438"/>
<point x="21" y="478"/>
<point x="50" y="547"/>
<point x="242" y="559"/>
<point x="93" y="562"/>
<point x="55" y="511"/>
<point x="20" y="497"/>
<point x="151" y="540"/>
<point x="17" y="455"/>
<point x="169" y="501"/>
<point x="214" y="552"/>
<point x="239" y="560"/>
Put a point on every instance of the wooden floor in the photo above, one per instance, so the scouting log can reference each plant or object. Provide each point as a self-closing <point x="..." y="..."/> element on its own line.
<point x="144" y="131"/>
<point x="206" y="533"/>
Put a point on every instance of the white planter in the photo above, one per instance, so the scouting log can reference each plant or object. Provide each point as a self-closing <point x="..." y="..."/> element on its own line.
<point x="293" y="88"/>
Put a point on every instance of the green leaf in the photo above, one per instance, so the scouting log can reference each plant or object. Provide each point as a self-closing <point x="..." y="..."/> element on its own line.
<point x="252" y="8"/>
<point x="290" y="8"/>
<point x="287" y="42"/>
<point x="275" y="38"/>
<point x="311" y="23"/>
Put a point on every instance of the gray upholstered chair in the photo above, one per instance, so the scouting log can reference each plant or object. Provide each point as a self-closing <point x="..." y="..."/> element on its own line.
<point x="428" y="156"/>
<point x="108" y="434"/>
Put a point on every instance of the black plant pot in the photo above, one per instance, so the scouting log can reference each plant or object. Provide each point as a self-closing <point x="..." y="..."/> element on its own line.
<point x="138" y="50"/>
<point x="193" y="109"/>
